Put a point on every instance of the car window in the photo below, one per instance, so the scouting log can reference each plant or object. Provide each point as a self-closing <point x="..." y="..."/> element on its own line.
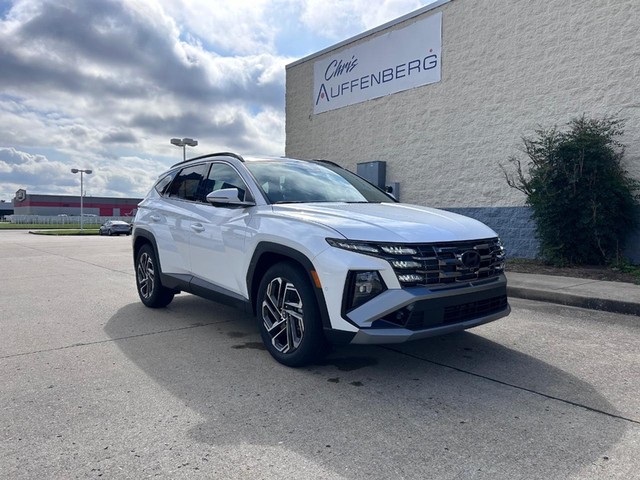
<point x="162" y="185"/>
<point x="185" y="186"/>
<point x="300" y="181"/>
<point x="222" y="176"/>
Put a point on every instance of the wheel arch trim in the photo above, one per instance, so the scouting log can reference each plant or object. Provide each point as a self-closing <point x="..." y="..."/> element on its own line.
<point x="269" y="253"/>
<point x="147" y="237"/>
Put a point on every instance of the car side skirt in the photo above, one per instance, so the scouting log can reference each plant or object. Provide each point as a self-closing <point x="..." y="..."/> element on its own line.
<point x="204" y="289"/>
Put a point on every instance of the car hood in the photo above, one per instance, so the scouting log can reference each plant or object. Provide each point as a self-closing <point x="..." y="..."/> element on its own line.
<point x="388" y="222"/>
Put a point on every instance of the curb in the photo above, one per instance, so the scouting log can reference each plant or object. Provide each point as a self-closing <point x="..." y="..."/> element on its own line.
<point x="603" y="304"/>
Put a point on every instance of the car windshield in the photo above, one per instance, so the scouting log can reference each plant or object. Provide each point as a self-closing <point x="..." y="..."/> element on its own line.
<point x="297" y="181"/>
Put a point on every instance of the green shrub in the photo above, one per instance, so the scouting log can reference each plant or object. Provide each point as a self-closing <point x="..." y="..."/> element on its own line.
<point x="583" y="201"/>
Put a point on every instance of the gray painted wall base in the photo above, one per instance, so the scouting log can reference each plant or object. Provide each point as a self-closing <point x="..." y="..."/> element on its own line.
<point x="632" y="252"/>
<point x="518" y="231"/>
<point x="513" y="224"/>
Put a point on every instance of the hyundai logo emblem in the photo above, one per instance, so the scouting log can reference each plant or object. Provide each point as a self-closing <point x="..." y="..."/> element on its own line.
<point x="470" y="259"/>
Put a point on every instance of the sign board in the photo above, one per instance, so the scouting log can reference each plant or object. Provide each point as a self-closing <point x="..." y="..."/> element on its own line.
<point x="21" y="195"/>
<point x="396" y="61"/>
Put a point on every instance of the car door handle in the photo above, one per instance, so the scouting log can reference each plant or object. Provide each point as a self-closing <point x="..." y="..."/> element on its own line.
<point x="197" y="227"/>
<point x="155" y="218"/>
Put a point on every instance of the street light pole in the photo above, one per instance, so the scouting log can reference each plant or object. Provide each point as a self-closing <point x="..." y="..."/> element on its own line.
<point x="184" y="143"/>
<point x="81" y="171"/>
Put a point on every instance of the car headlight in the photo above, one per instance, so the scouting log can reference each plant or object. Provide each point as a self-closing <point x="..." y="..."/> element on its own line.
<point x="398" y="250"/>
<point x="354" y="246"/>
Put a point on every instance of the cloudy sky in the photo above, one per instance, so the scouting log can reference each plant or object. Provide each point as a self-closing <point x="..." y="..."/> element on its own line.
<point x="104" y="84"/>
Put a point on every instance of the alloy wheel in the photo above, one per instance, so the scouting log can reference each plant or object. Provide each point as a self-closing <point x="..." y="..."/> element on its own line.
<point x="145" y="275"/>
<point x="282" y="314"/>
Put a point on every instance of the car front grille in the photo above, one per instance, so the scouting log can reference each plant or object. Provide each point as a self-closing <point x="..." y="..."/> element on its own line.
<point x="449" y="263"/>
<point x="468" y="311"/>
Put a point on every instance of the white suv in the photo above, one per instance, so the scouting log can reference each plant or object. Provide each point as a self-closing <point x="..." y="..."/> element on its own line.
<point x="316" y="252"/>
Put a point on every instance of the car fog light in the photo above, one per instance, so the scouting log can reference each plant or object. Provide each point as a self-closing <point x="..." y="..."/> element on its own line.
<point x="362" y="287"/>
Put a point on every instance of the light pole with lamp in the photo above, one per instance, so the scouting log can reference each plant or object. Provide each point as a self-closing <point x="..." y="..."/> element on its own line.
<point x="184" y="143"/>
<point x="82" y="171"/>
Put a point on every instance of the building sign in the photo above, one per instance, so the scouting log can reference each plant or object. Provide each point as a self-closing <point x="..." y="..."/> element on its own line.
<point x="393" y="62"/>
<point x="21" y="195"/>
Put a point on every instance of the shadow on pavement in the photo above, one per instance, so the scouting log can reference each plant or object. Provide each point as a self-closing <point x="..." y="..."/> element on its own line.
<point x="367" y="410"/>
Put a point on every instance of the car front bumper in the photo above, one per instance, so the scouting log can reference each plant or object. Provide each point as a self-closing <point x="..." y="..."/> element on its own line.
<point x="400" y="315"/>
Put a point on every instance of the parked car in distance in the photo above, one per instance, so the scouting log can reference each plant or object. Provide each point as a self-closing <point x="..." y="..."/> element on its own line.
<point x="115" y="227"/>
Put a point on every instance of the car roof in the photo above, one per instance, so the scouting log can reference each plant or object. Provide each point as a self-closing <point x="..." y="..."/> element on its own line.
<point x="210" y="156"/>
<point x="262" y="158"/>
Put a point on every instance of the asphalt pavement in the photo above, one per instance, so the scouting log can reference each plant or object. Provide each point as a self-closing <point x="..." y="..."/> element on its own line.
<point x="95" y="385"/>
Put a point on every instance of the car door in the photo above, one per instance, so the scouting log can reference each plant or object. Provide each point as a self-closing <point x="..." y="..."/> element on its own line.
<point x="174" y="216"/>
<point x="218" y="236"/>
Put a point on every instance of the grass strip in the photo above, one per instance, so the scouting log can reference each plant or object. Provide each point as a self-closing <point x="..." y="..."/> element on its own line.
<point x="46" y="226"/>
<point x="67" y="231"/>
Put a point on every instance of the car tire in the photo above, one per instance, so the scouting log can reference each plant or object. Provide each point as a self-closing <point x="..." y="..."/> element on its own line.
<point x="289" y="317"/>
<point x="150" y="289"/>
<point x="109" y="232"/>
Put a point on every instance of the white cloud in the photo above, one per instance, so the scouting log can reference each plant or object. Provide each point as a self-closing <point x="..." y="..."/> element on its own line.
<point x="19" y="169"/>
<point x="106" y="83"/>
<point x="238" y="27"/>
<point x="40" y="174"/>
<point x="340" y="19"/>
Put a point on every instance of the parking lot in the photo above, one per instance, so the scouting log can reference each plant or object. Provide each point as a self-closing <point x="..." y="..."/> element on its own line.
<point x="96" y="385"/>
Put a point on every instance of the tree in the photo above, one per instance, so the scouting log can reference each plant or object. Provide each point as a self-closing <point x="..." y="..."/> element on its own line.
<point x="583" y="201"/>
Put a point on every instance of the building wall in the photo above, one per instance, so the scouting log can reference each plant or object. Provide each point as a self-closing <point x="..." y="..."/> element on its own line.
<point x="6" y="208"/>
<point x="507" y="68"/>
<point x="35" y="204"/>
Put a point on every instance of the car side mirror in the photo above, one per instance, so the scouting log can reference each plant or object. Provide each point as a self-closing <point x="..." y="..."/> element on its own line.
<point x="228" y="196"/>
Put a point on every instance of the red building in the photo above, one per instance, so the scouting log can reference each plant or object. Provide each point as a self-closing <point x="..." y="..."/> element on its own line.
<point x="32" y="204"/>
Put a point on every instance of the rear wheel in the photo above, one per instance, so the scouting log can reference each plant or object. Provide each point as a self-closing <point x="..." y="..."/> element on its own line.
<point x="150" y="289"/>
<point x="289" y="317"/>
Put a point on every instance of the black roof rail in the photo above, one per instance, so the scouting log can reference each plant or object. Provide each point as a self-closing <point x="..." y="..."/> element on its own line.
<point x="209" y="155"/>
<point x="328" y="161"/>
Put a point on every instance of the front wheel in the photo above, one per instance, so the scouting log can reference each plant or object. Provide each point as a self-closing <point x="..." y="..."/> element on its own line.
<point x="150" y="289"/>
<point x="289" y="317"/>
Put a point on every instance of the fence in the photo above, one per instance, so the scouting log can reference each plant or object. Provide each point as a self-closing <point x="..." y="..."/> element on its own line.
<point x="62" y="219"/>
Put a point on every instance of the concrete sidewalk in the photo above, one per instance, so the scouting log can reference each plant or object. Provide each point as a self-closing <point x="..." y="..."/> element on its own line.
<point x="615" y="297"/>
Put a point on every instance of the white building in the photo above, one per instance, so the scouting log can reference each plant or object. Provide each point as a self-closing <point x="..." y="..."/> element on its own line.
<point x="502" y="68"/>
